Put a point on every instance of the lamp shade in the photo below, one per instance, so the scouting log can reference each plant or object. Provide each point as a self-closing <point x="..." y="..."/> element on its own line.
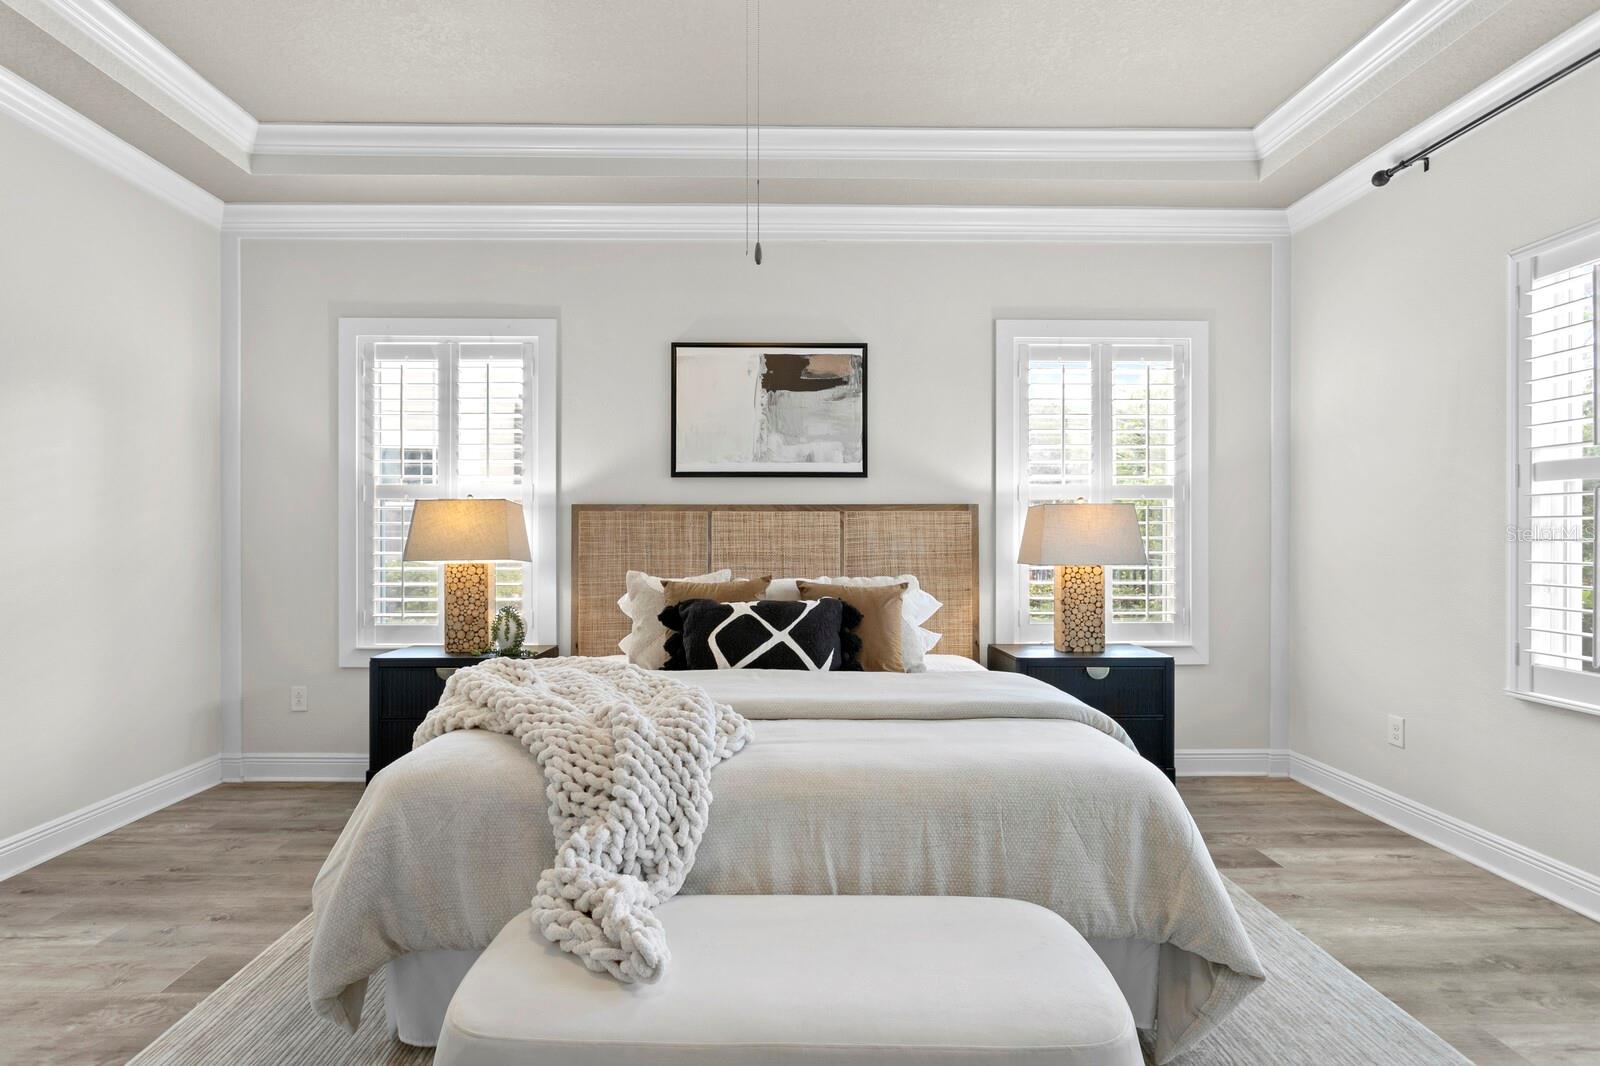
<point x="467" y="531"/>
<point x="1082" y="534"/>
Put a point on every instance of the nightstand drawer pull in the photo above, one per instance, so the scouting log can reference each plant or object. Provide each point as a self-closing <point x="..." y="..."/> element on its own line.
<point x="444" y="672"/>
<point x="1099" y="673"/>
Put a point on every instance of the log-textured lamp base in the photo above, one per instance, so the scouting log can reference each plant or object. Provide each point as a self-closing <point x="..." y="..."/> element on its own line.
<point x="1081" y="610"/>
<point x="468" y="597"/>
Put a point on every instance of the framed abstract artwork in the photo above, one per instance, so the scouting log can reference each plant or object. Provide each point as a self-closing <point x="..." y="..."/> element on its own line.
<point x="769" y="410"/>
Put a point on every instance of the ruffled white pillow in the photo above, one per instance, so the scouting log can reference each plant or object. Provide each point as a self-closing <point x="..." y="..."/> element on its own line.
<point x="643" y="602"/>
<point x="916" y="606"/>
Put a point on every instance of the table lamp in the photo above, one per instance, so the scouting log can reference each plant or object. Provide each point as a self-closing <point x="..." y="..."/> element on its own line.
<point x="469" y="537"/>
<point x="1080" y="540"/>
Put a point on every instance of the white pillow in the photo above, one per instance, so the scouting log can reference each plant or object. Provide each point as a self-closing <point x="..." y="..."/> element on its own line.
<point x="643" y="603"/>
<point x="916" y="606"/>
<point x="784" y="588"/>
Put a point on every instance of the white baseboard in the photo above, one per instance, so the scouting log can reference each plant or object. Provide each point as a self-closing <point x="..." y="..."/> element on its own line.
<point x="33" y="846"/>
<point x="1553" y="879"/>
<point x="1232" y="762"/>
<point x="296" y="766"/>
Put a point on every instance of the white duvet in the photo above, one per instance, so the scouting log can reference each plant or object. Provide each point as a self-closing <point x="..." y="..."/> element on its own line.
<point x="943" y="783"/>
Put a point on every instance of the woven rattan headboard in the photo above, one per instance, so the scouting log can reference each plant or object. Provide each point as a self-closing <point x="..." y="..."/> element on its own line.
<point x="936" y="542"/>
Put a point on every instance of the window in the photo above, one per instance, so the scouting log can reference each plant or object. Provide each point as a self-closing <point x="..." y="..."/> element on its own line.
<point x="1106" y="412"/>
<point x="1555" y="474"/>
<point x="440" y="408"/>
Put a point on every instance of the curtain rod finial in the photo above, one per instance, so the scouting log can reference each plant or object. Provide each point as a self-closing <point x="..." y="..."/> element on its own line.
<point x="1381" y="178"/>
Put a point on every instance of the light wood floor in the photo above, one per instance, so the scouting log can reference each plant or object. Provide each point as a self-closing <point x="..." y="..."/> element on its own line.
<point x="104" y="947"/>
<point x="1504" y="975"/>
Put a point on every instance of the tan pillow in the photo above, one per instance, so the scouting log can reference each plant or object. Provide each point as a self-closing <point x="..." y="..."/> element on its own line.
<point x="736" y="591"/>
<point x="881" y="623"/>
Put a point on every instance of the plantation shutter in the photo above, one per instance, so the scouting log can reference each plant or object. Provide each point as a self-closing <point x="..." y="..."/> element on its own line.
<point x="441" y="418"/>
<point x="1147" y="468"/>
<point x="1108" y="421"/>
<point x="1558" y="475"/>
<point x="491" y="380"/>
<point x="1059" y="424"/>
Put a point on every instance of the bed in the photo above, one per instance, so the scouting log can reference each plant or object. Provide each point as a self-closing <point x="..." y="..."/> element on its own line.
<point x="955" y="781"/>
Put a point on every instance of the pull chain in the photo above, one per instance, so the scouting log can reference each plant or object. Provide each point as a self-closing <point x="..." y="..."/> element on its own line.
<point x="758" y="132"/>
<point x="747" y="4"/>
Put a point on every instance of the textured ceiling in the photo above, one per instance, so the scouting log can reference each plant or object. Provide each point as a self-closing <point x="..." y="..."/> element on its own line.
<point x="1510" y="31"/>
<point x="1053" y="63"/>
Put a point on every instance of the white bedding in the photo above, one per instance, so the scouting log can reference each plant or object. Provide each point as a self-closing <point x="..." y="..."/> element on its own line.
<point x="937" y="663"/>
<point x="998" y="786"/>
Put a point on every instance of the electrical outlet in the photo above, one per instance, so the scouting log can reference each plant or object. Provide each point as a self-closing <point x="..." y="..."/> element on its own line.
<point x="1397" y="731"/>
<point x="297" y="698"/>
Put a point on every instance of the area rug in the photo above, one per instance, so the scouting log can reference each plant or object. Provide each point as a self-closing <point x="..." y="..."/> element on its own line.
<point x="1311" y="1012"/>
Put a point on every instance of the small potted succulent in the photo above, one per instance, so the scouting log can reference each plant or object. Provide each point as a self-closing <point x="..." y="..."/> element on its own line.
<point x="507" y="633"/>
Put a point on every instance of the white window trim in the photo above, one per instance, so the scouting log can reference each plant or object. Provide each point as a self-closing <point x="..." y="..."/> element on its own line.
<point x="540" y="462"/>
<point x="1007" y="482"/>
<point x="1564" y="250"/>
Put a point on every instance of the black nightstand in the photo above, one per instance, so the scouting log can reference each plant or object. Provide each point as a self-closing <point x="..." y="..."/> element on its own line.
<point x="1136" y="688"/>
<point x="403" y="685"/>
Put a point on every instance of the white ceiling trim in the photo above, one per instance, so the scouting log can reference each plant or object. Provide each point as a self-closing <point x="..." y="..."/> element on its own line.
<point x="107" y="37"/>
<point x="125" y="51"/>
<point x="39" y="110"/>
<point x="726" y="222"/>
<point x="1356" y="182"/>
<point x="777" y="142"/>
<point x="786" y="151"/>
<point x="1345" y="76"/>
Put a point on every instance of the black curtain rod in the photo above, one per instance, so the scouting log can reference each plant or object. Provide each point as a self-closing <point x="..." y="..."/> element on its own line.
<point x="1381" y="178"/>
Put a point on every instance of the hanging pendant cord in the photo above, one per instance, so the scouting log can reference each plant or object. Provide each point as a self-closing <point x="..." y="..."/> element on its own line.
<point x="758" y="132"/>
<point x="747" y="126"/>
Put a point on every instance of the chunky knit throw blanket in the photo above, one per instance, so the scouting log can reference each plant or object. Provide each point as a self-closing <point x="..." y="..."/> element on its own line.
<point x="627" y="757"/>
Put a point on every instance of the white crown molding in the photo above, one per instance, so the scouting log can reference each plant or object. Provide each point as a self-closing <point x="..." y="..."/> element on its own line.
<point x="777" y="142"/>
<point x="719" y="151"/>
<point x="120" y="47"/>
<point x="719" y="222"/>
<point x="1356" y="182"/>
<point x="1551" y="878"/>
<point x="39" y="110"/>
<point x="1346" y="76"/>
<point x="108" y="38"/>
<point x="33" y="846"/>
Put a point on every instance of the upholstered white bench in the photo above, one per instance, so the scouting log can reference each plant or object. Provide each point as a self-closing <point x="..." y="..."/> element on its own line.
<point x="786" y="980"/>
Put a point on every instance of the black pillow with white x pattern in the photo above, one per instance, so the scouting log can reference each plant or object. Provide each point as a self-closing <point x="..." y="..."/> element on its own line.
<point x="762" y="635"/>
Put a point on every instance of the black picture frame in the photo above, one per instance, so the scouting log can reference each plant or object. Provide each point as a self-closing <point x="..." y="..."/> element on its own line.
<point x="852" y="346"/>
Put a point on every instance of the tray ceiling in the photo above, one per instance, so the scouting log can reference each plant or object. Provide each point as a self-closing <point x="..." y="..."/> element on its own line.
<point x="1234" y="103"/>
<point x="1047" y="63"/>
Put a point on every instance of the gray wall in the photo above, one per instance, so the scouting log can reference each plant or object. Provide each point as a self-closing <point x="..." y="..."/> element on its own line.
<point x="1398" y="459"/>
<point x="109" y="529"/>
<point x="926" y="310"/>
